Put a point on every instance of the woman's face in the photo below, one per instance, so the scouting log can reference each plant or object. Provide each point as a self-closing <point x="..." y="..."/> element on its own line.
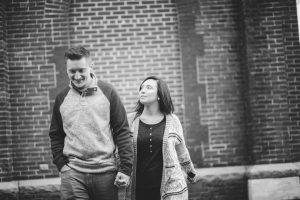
<point x="148" y="92"/>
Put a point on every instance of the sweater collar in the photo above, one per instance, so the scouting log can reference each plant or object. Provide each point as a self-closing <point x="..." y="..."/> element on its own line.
<point x="90" y="90"/>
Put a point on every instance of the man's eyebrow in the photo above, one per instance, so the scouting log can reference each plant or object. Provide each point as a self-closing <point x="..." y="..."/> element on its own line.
<point x="77" y="69"/>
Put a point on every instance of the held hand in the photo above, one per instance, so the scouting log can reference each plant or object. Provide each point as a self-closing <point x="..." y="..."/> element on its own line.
<point x="122" y="180"/>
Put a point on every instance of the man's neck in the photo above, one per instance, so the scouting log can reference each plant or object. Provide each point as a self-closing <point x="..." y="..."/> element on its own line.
<point x="87" y="90"/>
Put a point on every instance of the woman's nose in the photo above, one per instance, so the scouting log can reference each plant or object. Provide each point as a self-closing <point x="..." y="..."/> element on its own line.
<point x="142" y="90"/>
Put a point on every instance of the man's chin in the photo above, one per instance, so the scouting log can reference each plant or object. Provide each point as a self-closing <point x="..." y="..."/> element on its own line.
<point x="79" y="86"/>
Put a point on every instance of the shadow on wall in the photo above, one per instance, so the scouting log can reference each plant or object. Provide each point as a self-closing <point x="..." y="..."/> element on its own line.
<point x="60" y="72"/>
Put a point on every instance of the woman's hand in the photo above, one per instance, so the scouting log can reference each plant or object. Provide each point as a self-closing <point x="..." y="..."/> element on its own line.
<point x="193" y="178"/>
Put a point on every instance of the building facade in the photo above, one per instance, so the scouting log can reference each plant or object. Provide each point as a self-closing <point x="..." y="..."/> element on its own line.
<point x="232" y="67"/>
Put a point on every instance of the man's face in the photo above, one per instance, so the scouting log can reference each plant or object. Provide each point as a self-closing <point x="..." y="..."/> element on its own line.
<point x="79" y="72"/>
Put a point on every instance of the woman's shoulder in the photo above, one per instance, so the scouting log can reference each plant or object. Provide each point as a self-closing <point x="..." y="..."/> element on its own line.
<point x="174" y="118"/>
<point x="131" y="116"/>
<point x="175" y="122"/>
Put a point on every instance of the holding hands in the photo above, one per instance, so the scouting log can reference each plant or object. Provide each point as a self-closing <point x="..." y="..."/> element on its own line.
<point x="122" y="180"/>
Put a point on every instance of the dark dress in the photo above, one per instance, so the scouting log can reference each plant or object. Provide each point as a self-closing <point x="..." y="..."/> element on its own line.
<point x="149" y="160"/>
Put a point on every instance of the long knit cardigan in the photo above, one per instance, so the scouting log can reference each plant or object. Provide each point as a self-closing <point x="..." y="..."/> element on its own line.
<point x="176" y="161"/>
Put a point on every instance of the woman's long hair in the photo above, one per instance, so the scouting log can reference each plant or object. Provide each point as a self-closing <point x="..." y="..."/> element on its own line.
<point x="165" y="100"/>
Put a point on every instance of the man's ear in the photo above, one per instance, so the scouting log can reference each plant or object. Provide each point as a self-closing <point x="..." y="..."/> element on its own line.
<point x="92" y="65"/>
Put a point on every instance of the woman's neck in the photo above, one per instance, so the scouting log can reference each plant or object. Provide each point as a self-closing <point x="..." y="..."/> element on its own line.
<point x="151" y="115"/>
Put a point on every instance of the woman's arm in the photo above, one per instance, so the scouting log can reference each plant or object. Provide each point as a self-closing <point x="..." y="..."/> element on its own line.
<point x="183" y="154"/>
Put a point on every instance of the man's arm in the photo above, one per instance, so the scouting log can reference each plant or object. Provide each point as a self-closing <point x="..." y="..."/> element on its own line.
<point x="57" y="136"/>
<point x="122" y="134"/>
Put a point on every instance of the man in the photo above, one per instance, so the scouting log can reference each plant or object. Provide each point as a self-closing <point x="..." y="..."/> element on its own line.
<point x="88" y="123"/>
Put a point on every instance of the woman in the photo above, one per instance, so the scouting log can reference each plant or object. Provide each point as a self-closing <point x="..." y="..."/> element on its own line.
<point x="159" y="148"/>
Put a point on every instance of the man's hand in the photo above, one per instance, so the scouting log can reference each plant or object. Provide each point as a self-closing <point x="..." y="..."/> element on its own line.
<point x="122" y="180"/>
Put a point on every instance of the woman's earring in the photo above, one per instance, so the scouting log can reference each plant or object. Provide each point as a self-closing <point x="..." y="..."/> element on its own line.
<point x="158" y="98"/>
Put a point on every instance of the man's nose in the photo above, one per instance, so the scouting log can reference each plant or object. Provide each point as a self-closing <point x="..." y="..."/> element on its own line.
<point x="77" y="75"/>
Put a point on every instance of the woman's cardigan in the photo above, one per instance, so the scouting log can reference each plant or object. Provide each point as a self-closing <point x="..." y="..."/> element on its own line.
<point x="176" y="161"/>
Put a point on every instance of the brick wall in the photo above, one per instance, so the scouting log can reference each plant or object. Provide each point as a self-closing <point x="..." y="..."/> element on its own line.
<point x="220" y="70"/>
<point x="239" y="65"/>
<point x="212" y="47"/>
<point x="28" y="95"/>
<point x="129" y="40"/>
<point x="272" y="43"/>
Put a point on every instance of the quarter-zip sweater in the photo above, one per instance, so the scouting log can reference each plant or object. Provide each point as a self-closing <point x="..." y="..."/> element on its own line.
<point x="87" y="126"/>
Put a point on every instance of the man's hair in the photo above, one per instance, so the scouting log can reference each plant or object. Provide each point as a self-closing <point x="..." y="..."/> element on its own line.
<point x="76" y="53"/>
<point x="165" y="102"/>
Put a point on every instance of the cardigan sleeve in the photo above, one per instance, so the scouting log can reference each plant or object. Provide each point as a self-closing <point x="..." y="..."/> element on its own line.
<point x="183" y="153"/>
<point x="131" y="117"/>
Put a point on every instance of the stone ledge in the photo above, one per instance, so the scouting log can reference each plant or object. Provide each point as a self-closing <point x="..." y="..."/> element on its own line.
<point x="43" y="185"/>
<point x="273" y="170"/>
<point x="10" y="189"/>
<point x="286" y="188"/>
<point x="207" y="175"/>
<point x="221" y="173"/>
<point x="262" y="171"/>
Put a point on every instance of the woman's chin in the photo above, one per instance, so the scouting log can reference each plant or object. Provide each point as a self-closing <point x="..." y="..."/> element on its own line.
<point x="141" y="101"/>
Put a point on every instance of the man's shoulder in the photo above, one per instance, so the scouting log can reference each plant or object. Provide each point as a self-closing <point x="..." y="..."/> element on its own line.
<point x="108" y="89"/>
<point x="61" y="96"/>
<point x="63" y="93"/>
<point x="105" y="85"/>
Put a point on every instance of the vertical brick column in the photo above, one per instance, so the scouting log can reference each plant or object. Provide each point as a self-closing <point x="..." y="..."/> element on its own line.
<point x="5" y="132"/>
<point x="34" y="30"/>
<point x="191" y="47"/>
<point x="26" y="40"/>
<point x="267" y="76"/>
<point x="292" y="54"/>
